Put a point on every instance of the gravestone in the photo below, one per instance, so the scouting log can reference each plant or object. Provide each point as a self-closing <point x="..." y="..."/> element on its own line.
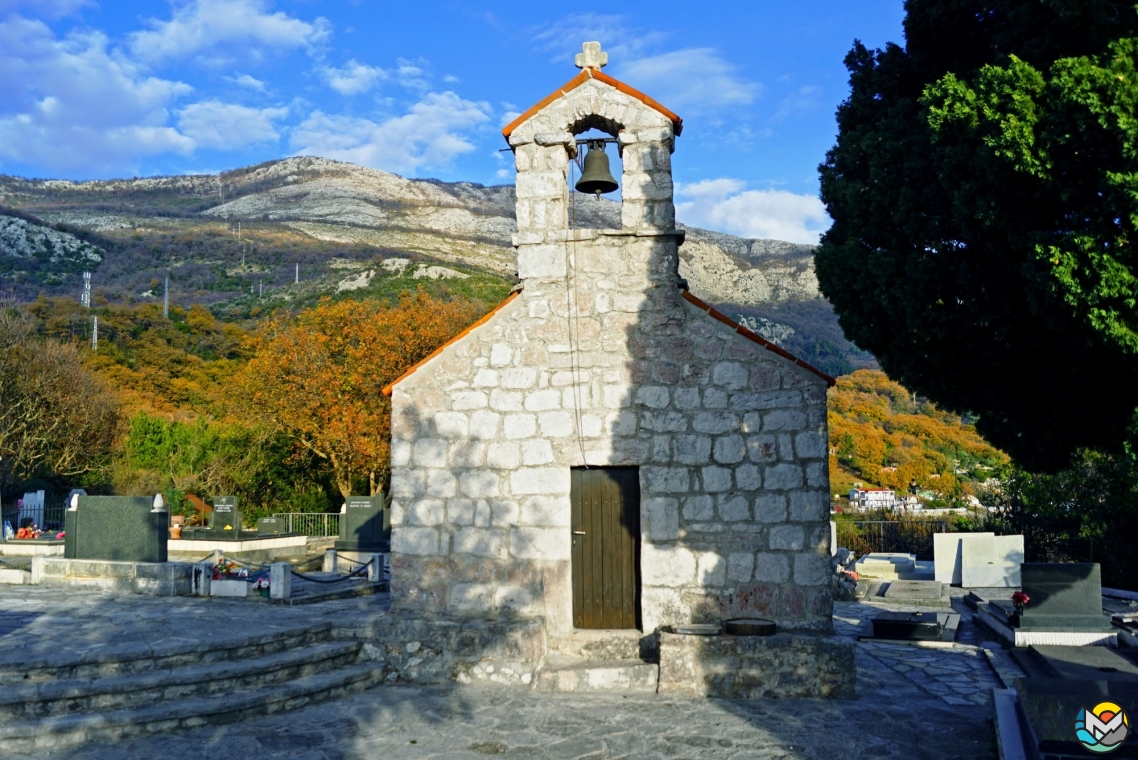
<point x="928" y="593"/>
<point x="271" y="526"/>
<point x="1063" y="597"/>
<point x="1085" y="663"/>
<point x="916" y="626"/>
<point x="226" y="516"/>
<point x="116" y="528"/>
<point x="947" y="555"/>
<point x="991" y="562"/>
<point x="31" y="509"/>
<point x="885" y="565"/>
<point x="1051" y="706"/>
<point x="364" y="525"/>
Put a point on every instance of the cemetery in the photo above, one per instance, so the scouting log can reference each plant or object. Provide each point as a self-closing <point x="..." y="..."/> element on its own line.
<point x="635" y="509"/>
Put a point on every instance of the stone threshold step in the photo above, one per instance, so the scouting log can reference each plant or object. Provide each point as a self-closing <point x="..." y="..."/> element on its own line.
<point x="603" y="645"/>
<point x="565" y="673"/>
<point x="68" y="730"/>
<point x="45" y="698"/>
<point x="140" y="656"/>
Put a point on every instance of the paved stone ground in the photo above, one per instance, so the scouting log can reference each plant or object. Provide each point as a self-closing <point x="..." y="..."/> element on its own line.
<point x="912" y="702"/>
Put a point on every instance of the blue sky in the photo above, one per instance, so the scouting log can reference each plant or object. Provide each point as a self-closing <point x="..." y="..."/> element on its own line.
<point x="107" y="89"/>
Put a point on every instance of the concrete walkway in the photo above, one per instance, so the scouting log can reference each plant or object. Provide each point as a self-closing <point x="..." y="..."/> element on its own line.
<point x="912" y="702"/>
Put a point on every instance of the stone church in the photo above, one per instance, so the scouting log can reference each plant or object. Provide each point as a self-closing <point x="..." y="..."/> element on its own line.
<point x="604" y="450"/>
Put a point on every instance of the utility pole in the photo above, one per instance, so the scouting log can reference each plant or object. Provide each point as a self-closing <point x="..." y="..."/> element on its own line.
<point x="95" y="334"/>
<point x="85" y="299"/>
<point x="166" y="300"/>
<point x="297" y="280"/>
<point x="260" y="288"/>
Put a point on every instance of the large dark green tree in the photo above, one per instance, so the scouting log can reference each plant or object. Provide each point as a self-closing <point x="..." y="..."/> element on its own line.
<point x="984" y="192"/>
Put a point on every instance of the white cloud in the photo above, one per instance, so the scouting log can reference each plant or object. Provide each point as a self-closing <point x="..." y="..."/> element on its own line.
<point x="250" y="82"/>
<point x="563" y="38"/>
<point x="805" y="99"/>
<point x="695" y="78"/>
<point x="691" y="78"/>
<point x="430" y="134"/>
<point x="227" y="126"/>
<point x="726" y="205"/>
<point x="353" y="78"/>
<point x="71" y="104"/>
<point x="240" y="27"/>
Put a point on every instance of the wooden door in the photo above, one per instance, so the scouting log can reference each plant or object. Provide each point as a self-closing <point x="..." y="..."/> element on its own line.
<point x="606" y="547"/>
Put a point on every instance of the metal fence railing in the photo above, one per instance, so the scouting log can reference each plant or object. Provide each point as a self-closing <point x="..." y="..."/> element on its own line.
<point x="900" y="536"/>
<point x="47" y="517"/>
<point x="315" y="524"/>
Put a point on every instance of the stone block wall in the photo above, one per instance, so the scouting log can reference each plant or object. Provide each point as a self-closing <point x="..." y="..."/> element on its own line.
<point x="755" y="667"/>
<point x="602" y="359"/>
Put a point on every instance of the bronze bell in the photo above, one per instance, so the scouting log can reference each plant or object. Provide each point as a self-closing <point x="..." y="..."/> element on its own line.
<point x="596" y="177"/>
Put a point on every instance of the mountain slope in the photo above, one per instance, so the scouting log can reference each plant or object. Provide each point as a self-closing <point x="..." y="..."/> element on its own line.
<point x="226" y="239"/>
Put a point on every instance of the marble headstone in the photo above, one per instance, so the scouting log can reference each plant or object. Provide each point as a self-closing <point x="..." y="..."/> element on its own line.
<point x="991" y="562"/>
<point x="947" y="555"/>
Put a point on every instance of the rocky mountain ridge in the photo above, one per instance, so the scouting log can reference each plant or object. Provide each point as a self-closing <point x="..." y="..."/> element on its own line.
<point x="281" y="208"/>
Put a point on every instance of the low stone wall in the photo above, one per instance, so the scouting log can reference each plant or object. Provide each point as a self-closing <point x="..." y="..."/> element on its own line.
<point x="436" y="649"/>
<point x="753" y="667"/>
<point x="149" y="578"/>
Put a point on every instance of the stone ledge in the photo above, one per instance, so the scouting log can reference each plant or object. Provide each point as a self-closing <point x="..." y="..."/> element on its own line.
<point x="149" y="578"/>
<point x="432" y="649"/>
<point x="751" y="667"/>
<point x="580" y="235"/>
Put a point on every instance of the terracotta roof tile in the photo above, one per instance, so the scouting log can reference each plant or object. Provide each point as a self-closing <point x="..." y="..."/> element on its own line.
<point x="580" y="79"/>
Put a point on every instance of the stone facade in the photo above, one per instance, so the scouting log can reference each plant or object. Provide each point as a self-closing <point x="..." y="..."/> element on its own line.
<point x="752" y="667"/>
<point x="602" y="358"/>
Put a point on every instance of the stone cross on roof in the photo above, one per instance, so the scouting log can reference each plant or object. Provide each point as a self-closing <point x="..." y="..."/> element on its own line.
<point x="591" y="56"/>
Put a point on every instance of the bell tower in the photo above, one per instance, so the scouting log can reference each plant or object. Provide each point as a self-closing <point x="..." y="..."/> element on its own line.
<point x="643" y="251"/>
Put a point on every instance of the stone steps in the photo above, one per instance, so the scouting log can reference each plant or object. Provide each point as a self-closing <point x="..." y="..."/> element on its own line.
<point x="136" y="657"/>
<point x="566" y="673"/>
<point x="43" y="699"/>
<point x="114" y="725"/>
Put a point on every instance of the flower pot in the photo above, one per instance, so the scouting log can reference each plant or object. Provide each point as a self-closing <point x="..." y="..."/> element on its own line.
<point x="175" y="532"/>
<point x="264" y="593"/>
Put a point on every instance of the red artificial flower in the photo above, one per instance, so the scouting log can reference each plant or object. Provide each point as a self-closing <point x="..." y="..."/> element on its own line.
<point x="1019" y="598"/>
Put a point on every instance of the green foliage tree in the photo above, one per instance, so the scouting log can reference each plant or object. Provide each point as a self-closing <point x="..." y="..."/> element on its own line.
<point x="984" y="192"/>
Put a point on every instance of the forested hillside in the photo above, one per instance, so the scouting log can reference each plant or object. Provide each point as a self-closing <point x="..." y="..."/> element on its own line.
<point x="880" y="434"/>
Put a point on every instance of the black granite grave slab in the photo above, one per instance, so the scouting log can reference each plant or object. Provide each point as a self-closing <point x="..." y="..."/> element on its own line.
<point x="365" y="525"/>
<point x="271" y="526"/>
<point x="1048" y="708"/>
<point x="1064" y="597"/>
<point x="225" y="516"/>
<point x="914" y="626"/>
<point x="116" y="528"/>
<point x="1086" y="663"/>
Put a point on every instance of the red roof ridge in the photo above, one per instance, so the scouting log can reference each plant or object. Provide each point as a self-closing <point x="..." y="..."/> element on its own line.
<point x="716" y="314"/>
<point x="387" y="389"/>
<point x="585" y="75"/>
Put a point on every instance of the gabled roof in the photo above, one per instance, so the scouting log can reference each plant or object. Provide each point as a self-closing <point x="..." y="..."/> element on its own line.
<point x="386" y="391"/>
<point x="585" y="75"/>
<point x="716" y="314"/>
<point x="713" y="313"/>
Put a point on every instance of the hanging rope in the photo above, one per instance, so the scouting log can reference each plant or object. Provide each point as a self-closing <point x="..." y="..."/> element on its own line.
<point x="570" y="316"/>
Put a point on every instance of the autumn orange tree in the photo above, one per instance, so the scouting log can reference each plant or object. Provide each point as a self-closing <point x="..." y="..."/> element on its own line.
<point x="883" y="434"/>
<point x="318" y="377"/>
